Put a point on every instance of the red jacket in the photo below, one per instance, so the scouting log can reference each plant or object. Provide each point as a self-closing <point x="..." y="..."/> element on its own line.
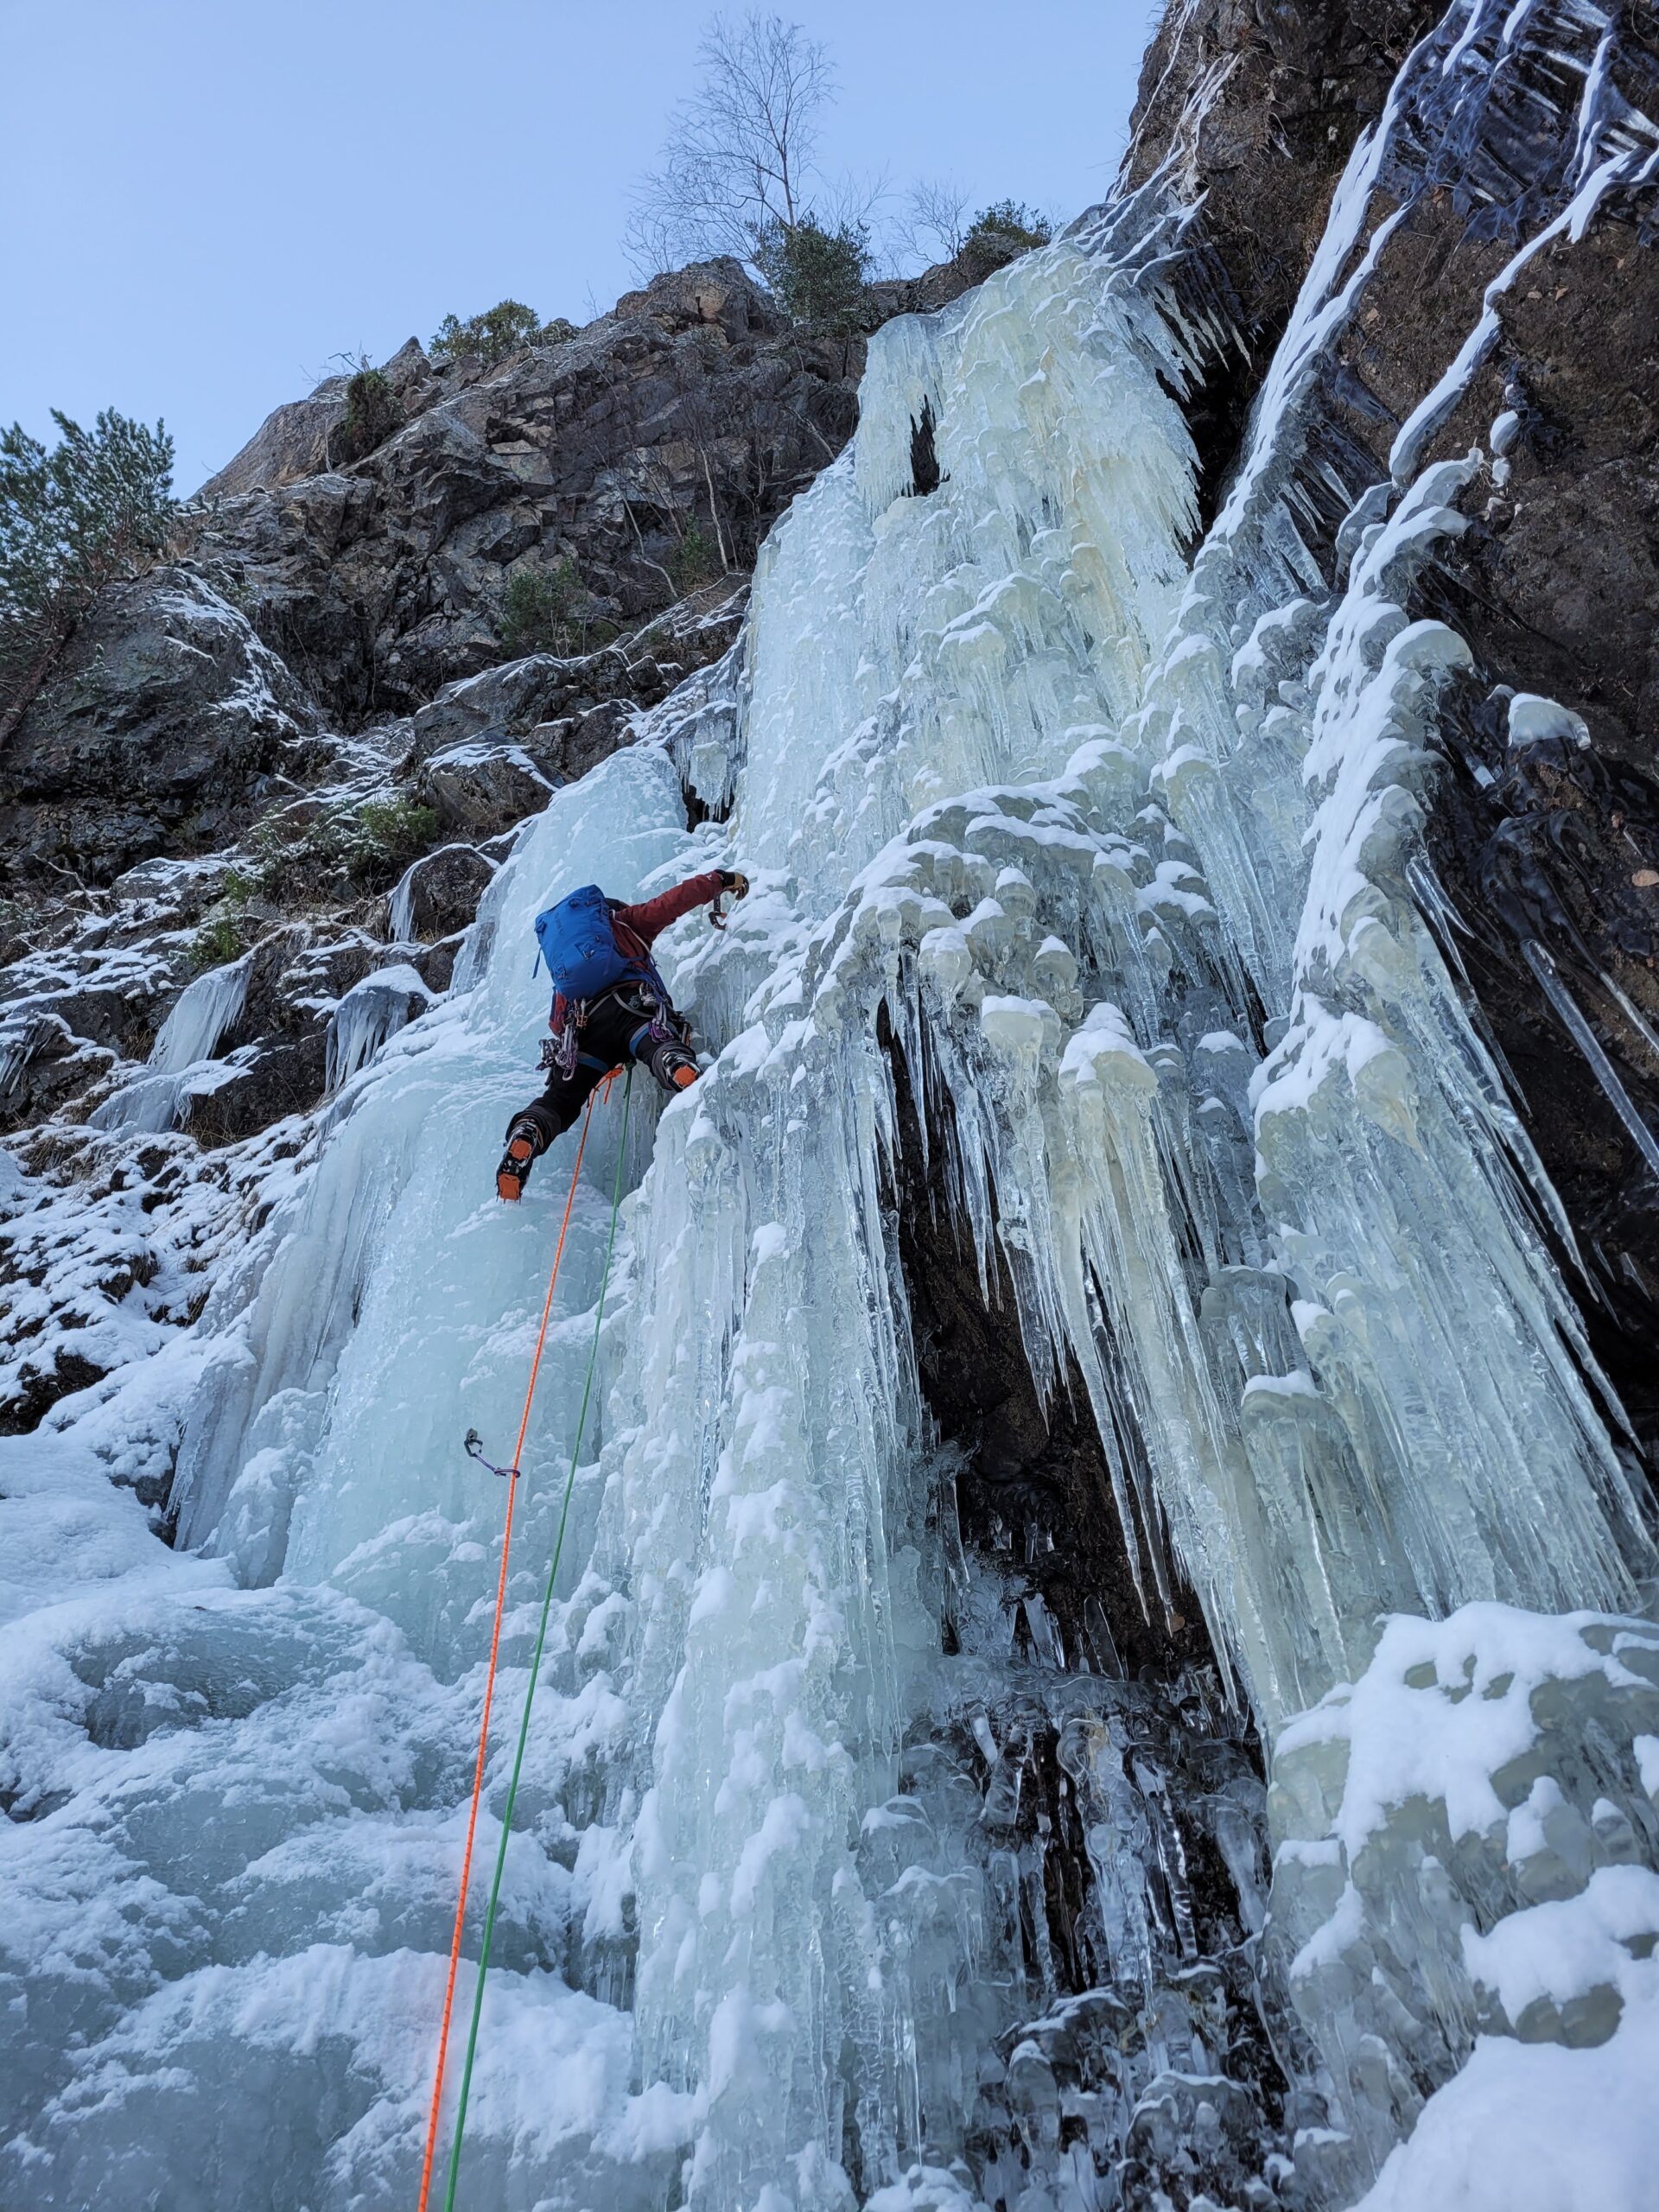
<point x="639" y="927"/>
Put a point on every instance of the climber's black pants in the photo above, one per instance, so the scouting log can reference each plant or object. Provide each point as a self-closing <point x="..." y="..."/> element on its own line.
<point x="617" y="1029"/>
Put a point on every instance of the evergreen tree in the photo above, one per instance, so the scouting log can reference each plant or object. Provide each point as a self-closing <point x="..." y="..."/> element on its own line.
<point x="818" y="274"/>
<point x="96" y="508"/>
<point x="500" y="330"/>
<point x="538" y="611"/>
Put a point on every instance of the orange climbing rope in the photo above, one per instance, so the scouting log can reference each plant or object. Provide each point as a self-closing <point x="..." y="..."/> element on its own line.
<point x="495" y="1646"/>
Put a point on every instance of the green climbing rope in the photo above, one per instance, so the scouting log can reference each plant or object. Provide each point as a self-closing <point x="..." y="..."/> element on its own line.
<point x="536" y="1662"/>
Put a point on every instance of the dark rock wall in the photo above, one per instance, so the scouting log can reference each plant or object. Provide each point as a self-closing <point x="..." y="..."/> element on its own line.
<point x="312" y="592"/>
<point x="160" y="729"/>
<point x="1254" y="109"/>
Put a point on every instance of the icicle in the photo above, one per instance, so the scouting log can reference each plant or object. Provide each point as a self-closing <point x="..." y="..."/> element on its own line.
<point x="372" y="1011"/>
<point x="204" y="1010"/>
<point x="400" y="908"/>
<point x="1584" y="1038"/>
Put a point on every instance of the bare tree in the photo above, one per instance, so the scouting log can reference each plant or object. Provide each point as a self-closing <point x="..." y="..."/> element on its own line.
<point x="934" y="221"/>
<point x="738" y="162"/>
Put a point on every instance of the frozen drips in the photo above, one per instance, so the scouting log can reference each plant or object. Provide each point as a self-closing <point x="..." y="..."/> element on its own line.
<point x="204" y="1011"/>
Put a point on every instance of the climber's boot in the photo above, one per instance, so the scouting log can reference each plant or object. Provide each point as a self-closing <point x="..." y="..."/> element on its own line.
<point x="674" y="1067"/>
<point x="524" y="1145"/>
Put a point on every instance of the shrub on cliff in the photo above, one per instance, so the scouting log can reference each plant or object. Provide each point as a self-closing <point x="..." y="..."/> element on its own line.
<point x="536" y="608"/>
<point x="218" y="940"/>
<point x="1000" y="234"/>
<point x="373" y="411"/>
<point x="391" y="832"/>
<point x="96" y="508"/>
<point x="501" y="330"/>
<point x="341" y="850"/>
<point x="818" y="274"/>
<point x="694" y="561"/>
<point x="547" y="611"/>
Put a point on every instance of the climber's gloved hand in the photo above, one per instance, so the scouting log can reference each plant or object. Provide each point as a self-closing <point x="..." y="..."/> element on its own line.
<point x="734" y="880"/>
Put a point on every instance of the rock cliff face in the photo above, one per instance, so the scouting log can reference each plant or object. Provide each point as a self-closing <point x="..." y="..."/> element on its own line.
<point x="647" y="455"/>
<point x="165" y="722"/>
<point x="693" y="405"/>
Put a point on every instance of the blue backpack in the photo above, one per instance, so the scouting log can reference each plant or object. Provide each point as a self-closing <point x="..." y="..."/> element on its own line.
<point x="580" y="946"/>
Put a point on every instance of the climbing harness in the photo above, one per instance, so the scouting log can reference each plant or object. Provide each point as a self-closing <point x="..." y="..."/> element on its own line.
<point x="512" y="1472"/>
<point x="658" y="1019"/>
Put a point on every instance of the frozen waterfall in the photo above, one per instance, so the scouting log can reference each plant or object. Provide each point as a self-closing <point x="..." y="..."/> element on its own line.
<point x="871" y="1849"/>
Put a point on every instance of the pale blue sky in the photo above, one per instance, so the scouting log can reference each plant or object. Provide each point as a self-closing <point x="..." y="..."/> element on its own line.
<point x="202" y="200"/>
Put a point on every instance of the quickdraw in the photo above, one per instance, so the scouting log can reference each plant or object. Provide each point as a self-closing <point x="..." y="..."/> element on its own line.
<point x="473" y="1445"/>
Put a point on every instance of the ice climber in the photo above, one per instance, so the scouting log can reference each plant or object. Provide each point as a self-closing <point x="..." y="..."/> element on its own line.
<point x="609" y="1005"/>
